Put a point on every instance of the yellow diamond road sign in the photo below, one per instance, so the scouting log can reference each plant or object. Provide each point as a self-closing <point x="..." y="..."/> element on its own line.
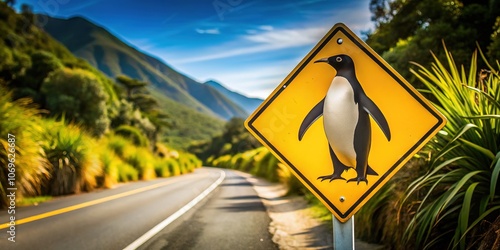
<point x="344" y="121"/>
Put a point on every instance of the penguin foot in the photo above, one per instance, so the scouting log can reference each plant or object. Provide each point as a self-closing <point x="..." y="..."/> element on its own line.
<point x="358" y="180"/>
<point x="331" y="177"/>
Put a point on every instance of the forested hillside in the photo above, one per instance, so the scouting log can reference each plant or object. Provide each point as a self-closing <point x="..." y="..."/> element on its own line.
<point x="114" y="57"/>
<point x="66" y="127"/>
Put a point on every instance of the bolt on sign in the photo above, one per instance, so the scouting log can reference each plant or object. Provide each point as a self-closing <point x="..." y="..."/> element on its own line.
<point x="344" y="121"/>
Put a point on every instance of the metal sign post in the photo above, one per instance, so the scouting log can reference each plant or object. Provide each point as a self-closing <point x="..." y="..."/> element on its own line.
<point x="343" y="234"/>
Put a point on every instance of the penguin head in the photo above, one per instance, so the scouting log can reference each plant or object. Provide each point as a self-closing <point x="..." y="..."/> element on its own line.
<point x="338" y="62"/>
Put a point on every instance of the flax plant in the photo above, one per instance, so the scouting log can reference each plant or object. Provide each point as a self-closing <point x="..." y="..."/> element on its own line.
<point x="21" y="119"/>
<point x="74" y="166"/>
<point x="460" y="189"/>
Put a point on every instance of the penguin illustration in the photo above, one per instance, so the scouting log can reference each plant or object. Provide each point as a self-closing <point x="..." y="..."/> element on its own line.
<point x="346" y="110"/>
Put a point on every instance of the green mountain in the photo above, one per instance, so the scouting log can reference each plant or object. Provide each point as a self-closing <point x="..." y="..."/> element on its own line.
<point x="187" y="125"/>
<point x="28" y="54"/>
<point x="247" y="103"/>
<point x="112" y="56"/>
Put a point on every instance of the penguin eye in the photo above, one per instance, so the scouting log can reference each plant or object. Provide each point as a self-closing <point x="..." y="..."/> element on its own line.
<point x="338" y="59"/>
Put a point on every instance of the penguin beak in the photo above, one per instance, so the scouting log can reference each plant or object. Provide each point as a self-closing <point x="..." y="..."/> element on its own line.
<point x="322" y="60"/>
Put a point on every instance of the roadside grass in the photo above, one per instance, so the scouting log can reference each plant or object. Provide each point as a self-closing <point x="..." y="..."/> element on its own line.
<point x="32" y="201"/>
<point x="318" y="210"/>
<point x="141" y="159"/>
<point x="21" y="119"/>
<point x="447" y="196"/>
<point x="161" y="168"/>
<point x="55" y="157"/>
<point x="262" y="163"/>
<point x="459" y="191"/>
<point x="133" y="134"/>
<point x="127" y="173"/>
<point x="110" y="164"/>
<point x="68" y="149"/>
<point x="173" y="167"/>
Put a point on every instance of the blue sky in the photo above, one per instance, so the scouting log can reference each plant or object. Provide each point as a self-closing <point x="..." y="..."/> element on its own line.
<point x="247" y="45"/>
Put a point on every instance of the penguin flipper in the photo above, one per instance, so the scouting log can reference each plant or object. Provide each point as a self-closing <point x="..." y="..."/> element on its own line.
<point x="310" y="118"/>
<point x="372" y="109"/>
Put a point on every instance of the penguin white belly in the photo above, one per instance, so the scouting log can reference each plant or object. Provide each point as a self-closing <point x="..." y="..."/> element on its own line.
<point x="340" y="118"/>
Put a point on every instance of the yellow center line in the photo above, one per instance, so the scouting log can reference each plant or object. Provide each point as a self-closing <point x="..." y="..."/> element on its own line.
<point x="89" y="203"/>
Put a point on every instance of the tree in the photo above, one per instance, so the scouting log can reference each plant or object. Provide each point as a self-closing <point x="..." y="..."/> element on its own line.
<point x="138" y="94"/>
<point x="123" y="114"/>
<point x="79" y="96"/>
<point x="147" y="104"/>
<point x="6" y="64"/>
<point x="10" y="2"/>
<point x="42" y="64"/>
<point x="406" y="30"/>
<point x="27" y="13"/>
<point x="494" y="48"/>
<point x="235" y="139"/>
<point x="131" y="85"/>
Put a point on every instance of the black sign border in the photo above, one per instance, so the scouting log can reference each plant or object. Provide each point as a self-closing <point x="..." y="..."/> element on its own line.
<point x="394" y="76"/>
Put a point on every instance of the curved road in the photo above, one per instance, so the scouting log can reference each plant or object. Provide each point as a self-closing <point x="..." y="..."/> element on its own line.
<point x="230" y="217"/>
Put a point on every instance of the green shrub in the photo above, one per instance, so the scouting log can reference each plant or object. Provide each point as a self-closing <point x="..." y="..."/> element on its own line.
<point x="117" y="144"/>
<point x="20" y="119"/>
<point x="248" y="162"/>
<point x="236" y="161"/>
<point x="269" y="166"/>
<point x="122" y="147"/>
<point x="142" y="160"/>
<point x="134" y="134"/>
<point x="286" y="177"/>
<point x="183" y="164"/>
<point x="255" y="164"/>
<point x="110" y="164"/>
<point x="222" y="162"/>
<point x="161" y="167"/>
<point x="382" y="220"/>
<point x="188" y="162"/>
<point x="259" y="162"/>
<point x="43" y="63"/>
<point x="376" y="218"/>
<point x="127" y="173"/>
<point x="161" y="150"/>
<point x="74" y="166"/>
<point x="173" y="166"/>
<point x="80" y="96"/>
<point x="460" y="191"/>
<point x="210" y="160"/>
<point x="191" y="161"/>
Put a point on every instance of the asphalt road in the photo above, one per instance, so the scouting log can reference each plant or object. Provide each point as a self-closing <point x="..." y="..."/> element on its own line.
<point x="230" y="217"/>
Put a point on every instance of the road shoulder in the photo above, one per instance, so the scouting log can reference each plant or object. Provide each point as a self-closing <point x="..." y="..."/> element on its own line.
<point x="292" y="225"/>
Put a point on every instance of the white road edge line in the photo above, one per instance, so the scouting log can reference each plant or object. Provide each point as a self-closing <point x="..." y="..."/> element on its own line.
<point x="156" y="229"/>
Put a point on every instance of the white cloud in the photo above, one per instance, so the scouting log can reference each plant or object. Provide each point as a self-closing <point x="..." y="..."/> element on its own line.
<point x="215" y="31"/>
<point x="266" y="27"/>
<point x="262" y="42"/>
<point x="289" y="37"/>
<point x="260" y="74"/>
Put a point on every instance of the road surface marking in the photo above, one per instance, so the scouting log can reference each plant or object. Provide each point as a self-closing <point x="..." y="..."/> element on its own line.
<point x="89" y="203"/>
<point x="156" y="229"/>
